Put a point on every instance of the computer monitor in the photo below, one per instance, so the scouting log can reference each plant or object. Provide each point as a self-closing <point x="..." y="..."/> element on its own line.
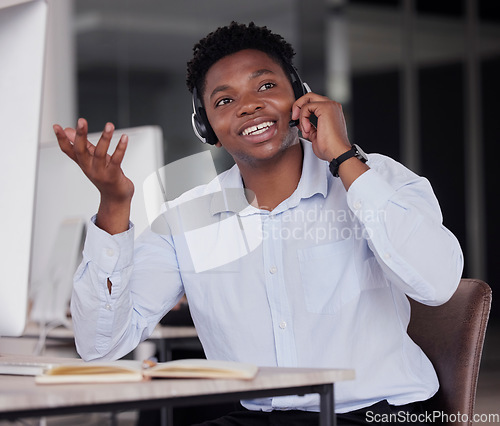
<point x="66" y="199"/>
<point x="22" y="47"/>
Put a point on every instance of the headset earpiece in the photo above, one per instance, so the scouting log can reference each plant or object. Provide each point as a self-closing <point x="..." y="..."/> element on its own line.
<point x="299" y="88"/>
<point x="200" y="123"/>
<point x="199" y="120"/>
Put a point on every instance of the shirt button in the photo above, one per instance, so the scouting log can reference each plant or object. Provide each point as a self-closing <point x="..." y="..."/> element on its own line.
<point x="273" y="269"/>
<point x="108" y="307"/>
<point x="387" y="256"/>
<point x="283" y="325"/>
<point x="110" y="252"/>
<point x="357" y="204"/>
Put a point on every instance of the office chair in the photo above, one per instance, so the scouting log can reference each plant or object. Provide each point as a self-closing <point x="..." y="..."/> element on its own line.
<point x="452" y="336"/>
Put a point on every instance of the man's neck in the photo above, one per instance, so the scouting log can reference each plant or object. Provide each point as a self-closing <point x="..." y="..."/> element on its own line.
<point x="274" y="181"/>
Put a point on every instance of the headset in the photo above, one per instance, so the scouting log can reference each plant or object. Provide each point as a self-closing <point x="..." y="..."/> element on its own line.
<point x="201" y="126"/>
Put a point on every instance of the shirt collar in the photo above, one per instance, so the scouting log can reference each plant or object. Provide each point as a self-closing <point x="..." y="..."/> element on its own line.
<point x="315" y="173"/>
<point x="232" y="198"/>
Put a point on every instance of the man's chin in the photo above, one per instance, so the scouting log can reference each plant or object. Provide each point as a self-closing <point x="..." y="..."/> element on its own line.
<point x="291" y="138"/>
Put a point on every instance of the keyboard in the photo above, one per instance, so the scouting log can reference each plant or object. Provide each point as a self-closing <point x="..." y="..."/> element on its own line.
<point x="23" y="368"/>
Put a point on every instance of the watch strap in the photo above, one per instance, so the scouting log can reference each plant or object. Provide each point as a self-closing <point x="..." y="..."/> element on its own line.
<point x="355" y="151"/>
<point x="336" y="162"/>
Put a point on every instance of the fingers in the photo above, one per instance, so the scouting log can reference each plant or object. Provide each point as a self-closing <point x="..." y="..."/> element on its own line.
<point x="304" y="108"/>
<point x="329" y="133"/>
<point x="80" y="141"/>
<point x="64" y="142"/>
<point x="74" y="143"/>
<point x="101" y="157"/>
<point x="307" y="111"/>
<point x="308" y="98"/>
<point x="103" y="170"/>
<point x="101" y="149"/>
<point x="91" y="148"/>
<point x="117" y="157"/>
<point x="313" y="104"/>
<point x="70" y="133"/>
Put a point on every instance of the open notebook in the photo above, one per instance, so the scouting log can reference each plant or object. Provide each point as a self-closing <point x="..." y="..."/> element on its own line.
<point x="130" y="371"/>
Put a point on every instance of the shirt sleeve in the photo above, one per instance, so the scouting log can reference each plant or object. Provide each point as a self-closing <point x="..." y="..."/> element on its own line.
<point x="108" y="326"/>
<point x="403" y="224"/>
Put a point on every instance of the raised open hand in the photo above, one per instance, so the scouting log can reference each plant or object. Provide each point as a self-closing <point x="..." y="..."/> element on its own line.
<point x="102" y="169"/>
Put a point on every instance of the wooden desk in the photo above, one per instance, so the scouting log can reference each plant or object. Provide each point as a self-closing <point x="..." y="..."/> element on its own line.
<point x="166" y="338"/>
<point x="21" y="397"/>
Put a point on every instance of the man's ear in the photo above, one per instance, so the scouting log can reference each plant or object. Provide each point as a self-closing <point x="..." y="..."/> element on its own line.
<point x="218" y="144"/>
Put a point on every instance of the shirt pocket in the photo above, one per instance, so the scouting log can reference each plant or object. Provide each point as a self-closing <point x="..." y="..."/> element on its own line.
<point x="328" y="276"/>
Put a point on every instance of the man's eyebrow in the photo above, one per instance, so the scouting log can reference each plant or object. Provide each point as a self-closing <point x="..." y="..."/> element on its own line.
<point x="255" y="74"/>
<point x="219" y="89"/>
<point x="260" y="72"/>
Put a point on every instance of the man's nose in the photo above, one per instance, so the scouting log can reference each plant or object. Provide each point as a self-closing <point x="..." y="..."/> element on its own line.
<point x="249" y="104"/>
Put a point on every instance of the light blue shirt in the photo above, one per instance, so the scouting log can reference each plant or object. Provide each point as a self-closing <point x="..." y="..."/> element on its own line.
<point x="320" y="281"/>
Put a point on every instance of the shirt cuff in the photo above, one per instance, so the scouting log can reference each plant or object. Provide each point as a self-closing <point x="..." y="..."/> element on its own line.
<point x="368" y="195"/>
<point x="110" y="252"/>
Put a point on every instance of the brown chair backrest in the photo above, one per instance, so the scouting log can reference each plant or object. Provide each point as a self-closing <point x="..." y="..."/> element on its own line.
<point x="452" y="337"/>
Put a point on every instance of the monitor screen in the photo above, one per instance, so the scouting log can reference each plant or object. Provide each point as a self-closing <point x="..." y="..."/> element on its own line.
<point x="22" y="47"/>
<point x="66" y="199"/>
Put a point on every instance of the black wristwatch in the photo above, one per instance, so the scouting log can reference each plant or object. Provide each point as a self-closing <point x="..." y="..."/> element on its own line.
<point x="355" y="151"/>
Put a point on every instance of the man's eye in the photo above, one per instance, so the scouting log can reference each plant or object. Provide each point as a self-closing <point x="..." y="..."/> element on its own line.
<point x="266" y="86"/>
<point x="223" y="102"/>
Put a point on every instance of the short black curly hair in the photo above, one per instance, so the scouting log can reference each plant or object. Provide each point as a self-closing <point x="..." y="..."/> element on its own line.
<point x="230" y="39"/>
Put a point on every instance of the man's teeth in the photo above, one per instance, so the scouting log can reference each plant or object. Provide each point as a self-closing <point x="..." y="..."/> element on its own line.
<point x="258" y="129"/>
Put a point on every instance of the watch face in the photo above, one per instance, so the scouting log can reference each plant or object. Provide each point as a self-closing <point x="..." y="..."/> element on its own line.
<point x="360" y="154"/>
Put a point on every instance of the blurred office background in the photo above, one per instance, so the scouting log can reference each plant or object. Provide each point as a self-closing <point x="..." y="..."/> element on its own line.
<point x="418" y="80"/>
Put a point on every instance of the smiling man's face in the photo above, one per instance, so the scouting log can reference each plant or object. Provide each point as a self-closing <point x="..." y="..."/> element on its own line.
<point x="248" y="99"/>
